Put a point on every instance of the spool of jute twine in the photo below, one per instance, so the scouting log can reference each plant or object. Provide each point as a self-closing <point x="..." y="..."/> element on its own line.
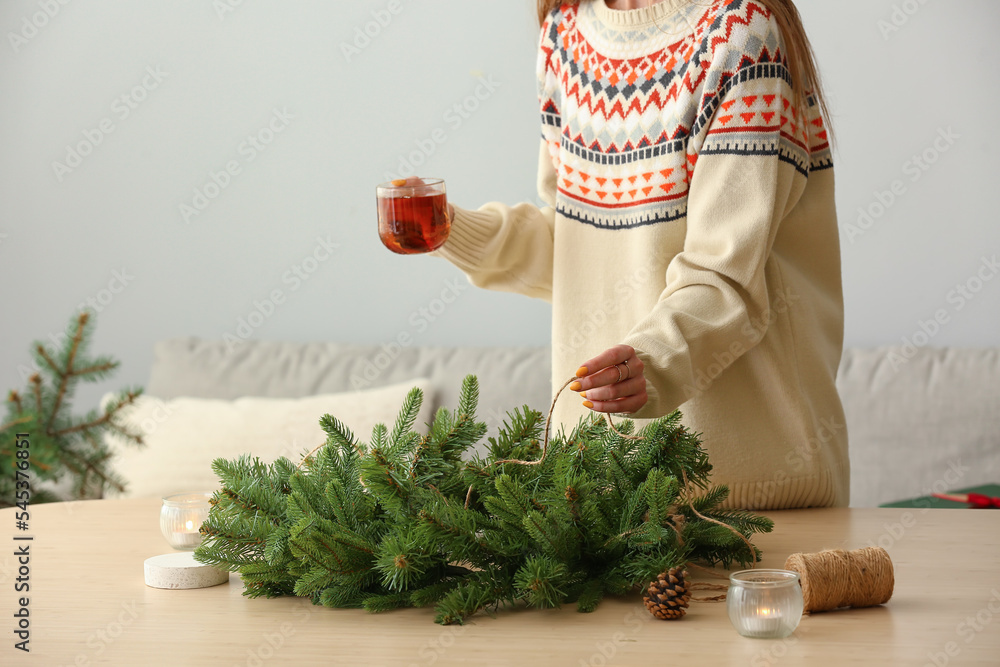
<point x="835" y="578"/>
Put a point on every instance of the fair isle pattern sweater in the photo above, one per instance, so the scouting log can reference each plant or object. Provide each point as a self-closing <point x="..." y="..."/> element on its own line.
<point x="691" y="216"/>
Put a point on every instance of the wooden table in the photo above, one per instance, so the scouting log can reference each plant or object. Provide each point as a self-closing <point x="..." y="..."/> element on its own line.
<point x="89" y="605"/>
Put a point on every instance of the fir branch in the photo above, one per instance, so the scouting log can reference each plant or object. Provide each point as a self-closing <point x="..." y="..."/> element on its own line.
<point x="83" y="465"/>
<point x="49" y="361"/>
<point x="468" y="398"/>
<point x="13" y="424"/>
<point x="68" y="372"/>
<point x="463" y="601"/>
<point x="432" y="593"/>
<point x="15" y="398"/>
<point x="539" y="581"/>
<point x="712" y="498"/>
<point x="379" y="603"/>
<point x="590" y="596"/>
<point x="82" y="426"/>
<point x="407" y="416"/>
<point x="98" y="370"/>
<point x="337" y="430"/>
<point x="36" y="389"/>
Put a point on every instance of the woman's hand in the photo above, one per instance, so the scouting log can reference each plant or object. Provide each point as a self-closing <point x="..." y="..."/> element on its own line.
<point x="613" y="381"/>
<point x="413" y="180"/>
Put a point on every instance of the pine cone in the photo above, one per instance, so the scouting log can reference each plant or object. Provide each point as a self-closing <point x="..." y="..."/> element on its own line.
<point x="667" y="598"/>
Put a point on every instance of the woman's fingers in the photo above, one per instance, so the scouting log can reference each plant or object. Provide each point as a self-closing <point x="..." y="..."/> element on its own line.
<point x="620" y="405"/>
<point x="613" y="381"/>
<point x="618" y="390"/>
<point x="610" y="357"/>
<point x="610" y="374"/>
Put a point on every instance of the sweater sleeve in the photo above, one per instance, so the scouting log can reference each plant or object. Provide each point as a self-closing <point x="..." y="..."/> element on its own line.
<point x="507" y="248"/>
<point x="750" y="168"/>
<point x="510" y="248"/>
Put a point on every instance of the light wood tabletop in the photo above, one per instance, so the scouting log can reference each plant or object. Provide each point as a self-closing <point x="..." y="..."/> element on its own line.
<point x="89" y="606"/>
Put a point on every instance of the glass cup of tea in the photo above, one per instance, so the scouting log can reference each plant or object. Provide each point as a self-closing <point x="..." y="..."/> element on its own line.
<point x="413" y="215"/>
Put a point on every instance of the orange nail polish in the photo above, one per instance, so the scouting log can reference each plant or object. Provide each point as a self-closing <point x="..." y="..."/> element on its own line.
<point x="582" y="371"/>
<point x="576" y="386"/>
<point x="588" y="404"/>
<point x="583" y="394"/>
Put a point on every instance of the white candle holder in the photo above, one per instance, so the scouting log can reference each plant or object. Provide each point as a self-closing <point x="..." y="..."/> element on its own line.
<point x="181" y="516"/>
<point x="765" y="604"/>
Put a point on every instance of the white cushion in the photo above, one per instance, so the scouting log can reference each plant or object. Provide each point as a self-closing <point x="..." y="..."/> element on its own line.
<point x="184" y="435"/>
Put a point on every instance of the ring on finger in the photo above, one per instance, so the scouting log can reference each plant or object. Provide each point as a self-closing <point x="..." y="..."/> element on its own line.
<point x="617" y="368"/>
<point x="629" y="369"/>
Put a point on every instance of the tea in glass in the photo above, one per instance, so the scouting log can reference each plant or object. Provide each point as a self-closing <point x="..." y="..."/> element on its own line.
<point x="413" y="215"/>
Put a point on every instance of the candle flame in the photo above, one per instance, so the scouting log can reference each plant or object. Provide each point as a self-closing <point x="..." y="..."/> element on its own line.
<point x="189" y="525"/>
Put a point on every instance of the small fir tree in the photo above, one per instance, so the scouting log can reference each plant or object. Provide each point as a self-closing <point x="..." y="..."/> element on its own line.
<point x="63" y="445"/>
<point x="404" y="520"/>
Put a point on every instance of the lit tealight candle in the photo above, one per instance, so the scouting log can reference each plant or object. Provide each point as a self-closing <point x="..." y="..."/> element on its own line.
<point x="764" y="603"/>
<point x="766" y="621"/>
<point x="181" y="517"/>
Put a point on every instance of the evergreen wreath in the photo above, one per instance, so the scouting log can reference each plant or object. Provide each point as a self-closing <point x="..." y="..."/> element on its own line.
<point x="405" y="520"/>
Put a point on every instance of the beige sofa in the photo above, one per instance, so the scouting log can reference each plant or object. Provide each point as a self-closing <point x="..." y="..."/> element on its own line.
<point x="918" y="419"/>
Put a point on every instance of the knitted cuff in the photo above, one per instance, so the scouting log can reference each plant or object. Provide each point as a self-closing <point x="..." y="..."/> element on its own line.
<point x="471" y="232"/>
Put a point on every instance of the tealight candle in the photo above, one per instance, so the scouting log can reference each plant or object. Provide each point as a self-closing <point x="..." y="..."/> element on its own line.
<point x="181" y="517"/>
<point x="764" y="603"/>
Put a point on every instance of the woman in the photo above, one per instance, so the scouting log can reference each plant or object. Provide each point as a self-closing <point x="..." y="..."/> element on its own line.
<point x="690" y="246"/>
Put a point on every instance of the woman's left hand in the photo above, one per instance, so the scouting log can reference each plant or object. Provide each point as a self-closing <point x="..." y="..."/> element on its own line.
<point x="613" y="381"/>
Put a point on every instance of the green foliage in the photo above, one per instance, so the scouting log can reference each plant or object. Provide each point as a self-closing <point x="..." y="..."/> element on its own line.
<point x="62" y="446"/>
<point x="415" y="520"/>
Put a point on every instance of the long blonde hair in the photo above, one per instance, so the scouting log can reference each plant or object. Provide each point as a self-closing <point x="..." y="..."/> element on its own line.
<point x="799" y="53"/>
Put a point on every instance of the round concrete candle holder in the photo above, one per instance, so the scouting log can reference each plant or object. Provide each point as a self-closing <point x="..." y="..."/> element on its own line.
<point x="181" y="570"/>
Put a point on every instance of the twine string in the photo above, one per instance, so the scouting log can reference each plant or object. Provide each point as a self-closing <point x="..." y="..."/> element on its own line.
<point x="306" y="457"/>
<point x="836" y="578"/>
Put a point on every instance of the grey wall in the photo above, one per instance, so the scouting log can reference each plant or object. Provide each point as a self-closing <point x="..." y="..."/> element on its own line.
<point x="345" y="118"/>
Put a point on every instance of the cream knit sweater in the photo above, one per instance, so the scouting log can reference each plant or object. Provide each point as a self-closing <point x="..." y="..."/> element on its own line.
<point x="691" y="215"/>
